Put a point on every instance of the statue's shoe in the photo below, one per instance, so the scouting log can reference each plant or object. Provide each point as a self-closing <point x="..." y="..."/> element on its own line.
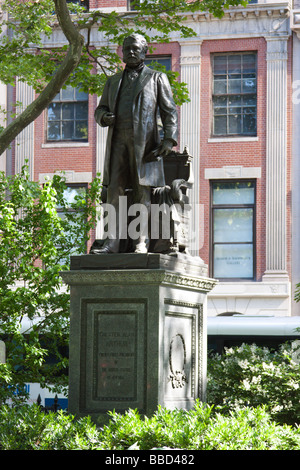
<point x="141" y="248"/>
<point x="104" y="250"/>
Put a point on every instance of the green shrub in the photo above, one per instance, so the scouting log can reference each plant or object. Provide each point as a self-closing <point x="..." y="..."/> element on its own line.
<point x="202" y="428"/>
<point x="27" y="428"/>
<point x="253" y="376"/>
<point x="166" y="428"/>
<point x="40" y="228"/>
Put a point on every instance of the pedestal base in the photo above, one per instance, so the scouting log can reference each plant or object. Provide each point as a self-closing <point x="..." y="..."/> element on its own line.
<point x="137" y="335"/>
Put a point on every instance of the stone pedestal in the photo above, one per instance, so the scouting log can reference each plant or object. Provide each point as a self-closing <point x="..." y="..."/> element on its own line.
<point x="137" y="332"/>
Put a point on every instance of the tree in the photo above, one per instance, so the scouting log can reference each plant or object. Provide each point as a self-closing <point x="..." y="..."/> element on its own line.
<point x="36" y="241"/>
<point x="23" y="55"/>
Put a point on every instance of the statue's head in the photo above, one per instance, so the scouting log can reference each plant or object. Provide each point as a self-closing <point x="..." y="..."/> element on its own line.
<point x="135" y="48"/>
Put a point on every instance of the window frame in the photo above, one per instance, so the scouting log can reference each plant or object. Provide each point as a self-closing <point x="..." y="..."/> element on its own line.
<point x="157" y="57"/>
<point x="83" y="3"/>
<point x="212" y="243"/>
<point x="61" y="120"/>
<point x="228" y="95"/>
<point x="70" y="209"/>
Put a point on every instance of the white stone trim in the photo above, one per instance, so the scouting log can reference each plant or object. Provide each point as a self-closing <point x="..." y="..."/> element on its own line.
<point x="65" y="145"/>
<point x="70" y="175"/>
<point x="214" y="140"/>
<point x="232" y="172"/>
<point x="251" y="298"/>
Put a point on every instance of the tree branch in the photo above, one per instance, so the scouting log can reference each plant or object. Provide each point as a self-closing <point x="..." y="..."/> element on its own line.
<point x="76" y="42"/>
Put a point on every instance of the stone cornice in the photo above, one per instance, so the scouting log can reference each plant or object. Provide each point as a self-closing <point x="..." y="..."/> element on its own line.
<point x="255" y="20"/>
<point x="137" y="277"/>
<point x="255" y="10"/>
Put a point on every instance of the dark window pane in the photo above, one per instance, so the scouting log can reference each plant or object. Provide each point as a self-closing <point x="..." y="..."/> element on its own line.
<point x="234" y="64"/>
<point x="67" y="111"/>
<point x="220" y="104"/>
<point x="67" y="94"/>
<point x="80" y="95"/>
<point x="166" y="61"/>
<point x="53" y="130"/>
<point x="235" y="124"/>
<point x="220" y="125"/>
<point x="249" y="100"/>
<point x="54" y="112"/>
<point x="249" y="63"/>
<point x="235" y="100"/>
<point x="234" y="110"/>
<point x="249" y="123"/>
<point x="67" y="130"/>
<point x="234" y="86"/>
<point x="220" y="86"/>
<point x="220" y="65"/>
<point x="81" y="130"/>
<point x="249" y="85"/>
<point x="81" y="111"/>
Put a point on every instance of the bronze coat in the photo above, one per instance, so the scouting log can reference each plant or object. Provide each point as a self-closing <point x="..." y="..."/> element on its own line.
<point x="152" y="91"/>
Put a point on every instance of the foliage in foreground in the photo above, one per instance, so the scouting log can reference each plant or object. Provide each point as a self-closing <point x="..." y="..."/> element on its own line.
<point x="198" y="429"/>
<point x="253" y="376"/>
<point x="40" y="227"/>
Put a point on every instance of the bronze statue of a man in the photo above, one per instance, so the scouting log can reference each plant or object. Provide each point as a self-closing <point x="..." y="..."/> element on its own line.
<point x="129" y="106"/>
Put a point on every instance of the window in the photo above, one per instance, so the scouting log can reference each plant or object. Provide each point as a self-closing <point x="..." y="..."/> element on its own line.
<point x="233" y="231"/>
<point x="71" y="193"/>
<point x="234" y="94"/>
<point x="166" y="61"/>
<point x="162" y="60"/>
<point x="68" y="116"/>
<point x="82" y="3"/>
<point x="132" y="4"/>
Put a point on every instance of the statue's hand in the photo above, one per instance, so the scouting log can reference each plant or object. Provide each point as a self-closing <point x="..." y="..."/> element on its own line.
<point x="108" y="119"/>
<point x="166" y="147"/>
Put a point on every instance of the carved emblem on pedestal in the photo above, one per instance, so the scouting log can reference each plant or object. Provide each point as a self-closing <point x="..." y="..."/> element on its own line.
<point x="177" y="361"/>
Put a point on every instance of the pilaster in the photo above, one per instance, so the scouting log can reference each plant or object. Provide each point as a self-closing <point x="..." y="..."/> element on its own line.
<point x="24" y="149"/>
<point x="190" y="62"/>
<point x="276" y="158"/>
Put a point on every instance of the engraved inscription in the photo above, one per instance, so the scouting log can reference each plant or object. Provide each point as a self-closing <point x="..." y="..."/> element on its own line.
<point x="115" y="364"/>
<point x="177" y="361"/>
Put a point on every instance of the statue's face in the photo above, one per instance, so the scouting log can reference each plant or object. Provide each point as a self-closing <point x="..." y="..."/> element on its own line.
<point x="133" y="52"/>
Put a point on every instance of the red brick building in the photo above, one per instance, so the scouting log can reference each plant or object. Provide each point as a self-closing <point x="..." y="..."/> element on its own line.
<point x="240" y="129"/>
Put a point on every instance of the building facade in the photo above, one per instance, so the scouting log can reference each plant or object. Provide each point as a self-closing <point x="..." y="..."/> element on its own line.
<point x="241" y="127"/>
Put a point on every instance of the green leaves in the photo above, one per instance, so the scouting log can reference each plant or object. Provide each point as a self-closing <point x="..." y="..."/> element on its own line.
<point x="200" y="428"/>
<point x="254" y="376"/>
<point x="26" y="55"/>
<point x="39" y="230"/>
